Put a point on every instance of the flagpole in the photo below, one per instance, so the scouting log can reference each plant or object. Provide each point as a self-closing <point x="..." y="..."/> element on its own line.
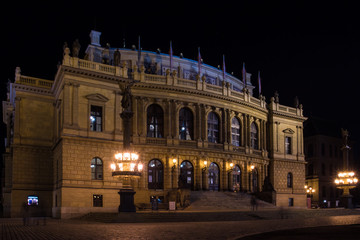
<point x="259" y="82"/>
<point x="139" y="54"/>
<point x="171" y="56"/>
<point x="224" y="69"/>
<point x="244" y="75"/>
<point x="199" y="61"/>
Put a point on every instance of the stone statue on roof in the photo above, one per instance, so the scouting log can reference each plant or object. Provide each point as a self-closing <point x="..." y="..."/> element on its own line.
<point x="76" y="48"/>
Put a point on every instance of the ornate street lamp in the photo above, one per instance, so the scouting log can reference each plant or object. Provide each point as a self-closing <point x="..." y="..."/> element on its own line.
<point x="126" y="165"/>
<point x="309" y="192"/>
<point x="346" y="179"/>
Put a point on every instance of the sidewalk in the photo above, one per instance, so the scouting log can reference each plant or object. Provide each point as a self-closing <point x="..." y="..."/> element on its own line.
<point x="170" y="225"/>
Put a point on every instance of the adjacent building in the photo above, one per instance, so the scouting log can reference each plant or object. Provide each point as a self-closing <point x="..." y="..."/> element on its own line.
<point x="324" y="157"/>
<point x="194" y="127"/>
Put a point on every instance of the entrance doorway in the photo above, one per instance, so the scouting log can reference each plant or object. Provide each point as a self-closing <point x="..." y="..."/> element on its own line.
<point x="214" y="179"/>
<point x="186" y="178"/>
<point x="235" y="179"/>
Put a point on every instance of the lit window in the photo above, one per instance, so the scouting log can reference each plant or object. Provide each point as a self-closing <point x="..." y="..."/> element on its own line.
<point x="96" y="118"/>
<point x="213" y="128"/>
<point x="288" y="145"/>
<point x="254" y="136"/>
<point x="235" y="132"/>
<point x="33" y="200"/>
<point x="155" y="121"/>
<point x="96" y="169"/>
<point x="186" y="124"/>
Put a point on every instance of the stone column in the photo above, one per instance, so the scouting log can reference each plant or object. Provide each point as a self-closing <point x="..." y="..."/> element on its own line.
<point x="198" y="175"/>
<point x="117" y="119"/>
<point x="17" y="136"/>
<point x="67" y="105"/>
<point x="75" y="103"/>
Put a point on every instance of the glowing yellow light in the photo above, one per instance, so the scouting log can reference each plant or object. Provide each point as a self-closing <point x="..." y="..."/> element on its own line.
<point x="174" y="160"/>
<point x="252" y="167"/>
<point x="337" y="181"/>
<point x="118" y="156"/>
<point x="113" y="167"/>
<point x="134" y="156"/>
<point x="140" y="167"/>
<point x="305" y="186"/>
<point x="205" y="163"/>
<point x="132" y="166"/>
<point x="126" y="156"/>
<point x="231" y="164"/>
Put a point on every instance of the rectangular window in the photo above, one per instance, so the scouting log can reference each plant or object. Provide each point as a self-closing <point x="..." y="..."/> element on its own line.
<point x="96" y="118"/>
<point x="33" y="200"/>
<point x="288" y="145"/>
<point x="291" y="202"/>
<point x="97" y="200"/>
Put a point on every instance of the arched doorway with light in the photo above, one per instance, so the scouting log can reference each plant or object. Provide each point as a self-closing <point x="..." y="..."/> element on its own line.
<point x="235" y="179"/>
<point x="186" y="177"/>
<point x="214" y="177"/>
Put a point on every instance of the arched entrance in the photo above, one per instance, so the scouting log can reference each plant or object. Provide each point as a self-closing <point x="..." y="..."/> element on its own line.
<point x="186" y="178"/>
<point x="235" y="179"/>
<point x="214" y="177"/>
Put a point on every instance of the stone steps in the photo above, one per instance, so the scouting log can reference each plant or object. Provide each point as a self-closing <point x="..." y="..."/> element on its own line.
<point x="208" y="200"/>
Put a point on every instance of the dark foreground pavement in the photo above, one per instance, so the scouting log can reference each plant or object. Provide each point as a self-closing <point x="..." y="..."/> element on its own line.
<point x="315" y="233"/>
<point x="165" y="225"/>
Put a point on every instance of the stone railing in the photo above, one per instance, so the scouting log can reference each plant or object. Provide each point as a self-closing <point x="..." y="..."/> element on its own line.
<point x="171" y="78"/>
<point x="36" y="82"/>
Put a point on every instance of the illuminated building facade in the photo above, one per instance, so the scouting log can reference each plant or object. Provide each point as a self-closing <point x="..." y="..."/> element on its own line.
<point x="192" y="130"/>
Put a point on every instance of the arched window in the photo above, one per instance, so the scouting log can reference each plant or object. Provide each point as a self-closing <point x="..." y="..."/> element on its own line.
<point x="96" y="169"/>
<point x="155" y="174"/>
<point x="235" y="132"/>
<point x="155" y="121"/>
<point x="213" y="128"/>
<point x="289" y="180"/>
<point x="254" y="136"/>
<point x="186" y="124"/>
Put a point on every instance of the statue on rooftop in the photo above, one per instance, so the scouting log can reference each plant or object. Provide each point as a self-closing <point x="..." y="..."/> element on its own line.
<point x="76" y="48"/>
<point x="117" y="57"/>
<point x="276" y="97"/>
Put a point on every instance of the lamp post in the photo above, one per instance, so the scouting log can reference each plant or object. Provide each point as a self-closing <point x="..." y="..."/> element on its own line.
<point x="126" y="165"/>
<point x="309" y="191"/>
<point x="346" y="179"/>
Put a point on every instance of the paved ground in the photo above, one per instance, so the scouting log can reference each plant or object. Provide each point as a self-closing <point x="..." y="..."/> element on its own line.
<point x="165" y="225"/>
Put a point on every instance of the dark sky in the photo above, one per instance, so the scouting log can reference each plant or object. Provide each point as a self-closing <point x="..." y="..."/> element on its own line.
<point x="302" y="48"/>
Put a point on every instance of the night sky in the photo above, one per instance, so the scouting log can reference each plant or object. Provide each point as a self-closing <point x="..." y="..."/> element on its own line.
<point x="302" y="48"/>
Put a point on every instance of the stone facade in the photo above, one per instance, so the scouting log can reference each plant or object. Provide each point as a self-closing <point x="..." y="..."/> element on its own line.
<point x="50" y="141"/>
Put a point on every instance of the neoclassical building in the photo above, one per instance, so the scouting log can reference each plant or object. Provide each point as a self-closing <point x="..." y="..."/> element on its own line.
<point x="191" y="129"/>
